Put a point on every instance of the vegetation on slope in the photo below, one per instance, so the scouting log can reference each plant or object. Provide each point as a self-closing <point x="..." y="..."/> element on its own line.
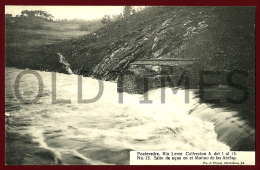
<point x="222" y="38"/>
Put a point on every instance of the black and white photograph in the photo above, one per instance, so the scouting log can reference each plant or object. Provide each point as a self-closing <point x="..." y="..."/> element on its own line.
<point x="130" y="85"/>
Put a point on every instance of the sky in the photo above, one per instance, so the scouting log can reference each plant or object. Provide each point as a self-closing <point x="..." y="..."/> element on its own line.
<point x="69" y="12"/>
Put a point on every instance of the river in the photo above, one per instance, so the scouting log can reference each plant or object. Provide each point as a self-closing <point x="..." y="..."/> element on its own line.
<point x="105" y="131"/>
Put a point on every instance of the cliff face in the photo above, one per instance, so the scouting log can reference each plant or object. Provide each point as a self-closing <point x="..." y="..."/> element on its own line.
<point x="220" y="37"/>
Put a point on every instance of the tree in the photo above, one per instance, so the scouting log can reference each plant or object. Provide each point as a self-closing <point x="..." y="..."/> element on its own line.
<point x="127" y="11"/>
<point x="36" y="13"/>
<point x="24" y="13"/>
<point x="121" y="16"/>
<point x="106" y="19"/>
<point x="133" y="11"/>
<point x="8" y="15"/>
<point x="139" y="9"/>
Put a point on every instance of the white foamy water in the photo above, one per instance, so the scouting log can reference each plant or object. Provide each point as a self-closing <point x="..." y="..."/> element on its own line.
<point x="65" y="63"/>
<point x="105" y="131"/>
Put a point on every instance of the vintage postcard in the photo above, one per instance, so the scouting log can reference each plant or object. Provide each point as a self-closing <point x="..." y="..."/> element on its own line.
<point x="130" y="85"/>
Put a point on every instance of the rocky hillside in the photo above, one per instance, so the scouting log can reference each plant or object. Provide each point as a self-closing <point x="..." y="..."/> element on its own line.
<point x="220" y="37"/>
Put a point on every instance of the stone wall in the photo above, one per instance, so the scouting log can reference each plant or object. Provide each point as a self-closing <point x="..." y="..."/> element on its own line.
<point x="132" y="83"/>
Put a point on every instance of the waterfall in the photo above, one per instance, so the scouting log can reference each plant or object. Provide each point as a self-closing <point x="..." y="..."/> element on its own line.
<point x="67" y="65"/>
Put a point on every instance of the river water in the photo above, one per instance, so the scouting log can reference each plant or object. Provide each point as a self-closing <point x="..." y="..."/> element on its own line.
<point x="103" y="132"/>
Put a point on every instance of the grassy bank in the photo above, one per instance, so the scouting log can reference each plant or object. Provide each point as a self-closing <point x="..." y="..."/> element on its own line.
<point x="28" y="38"/>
